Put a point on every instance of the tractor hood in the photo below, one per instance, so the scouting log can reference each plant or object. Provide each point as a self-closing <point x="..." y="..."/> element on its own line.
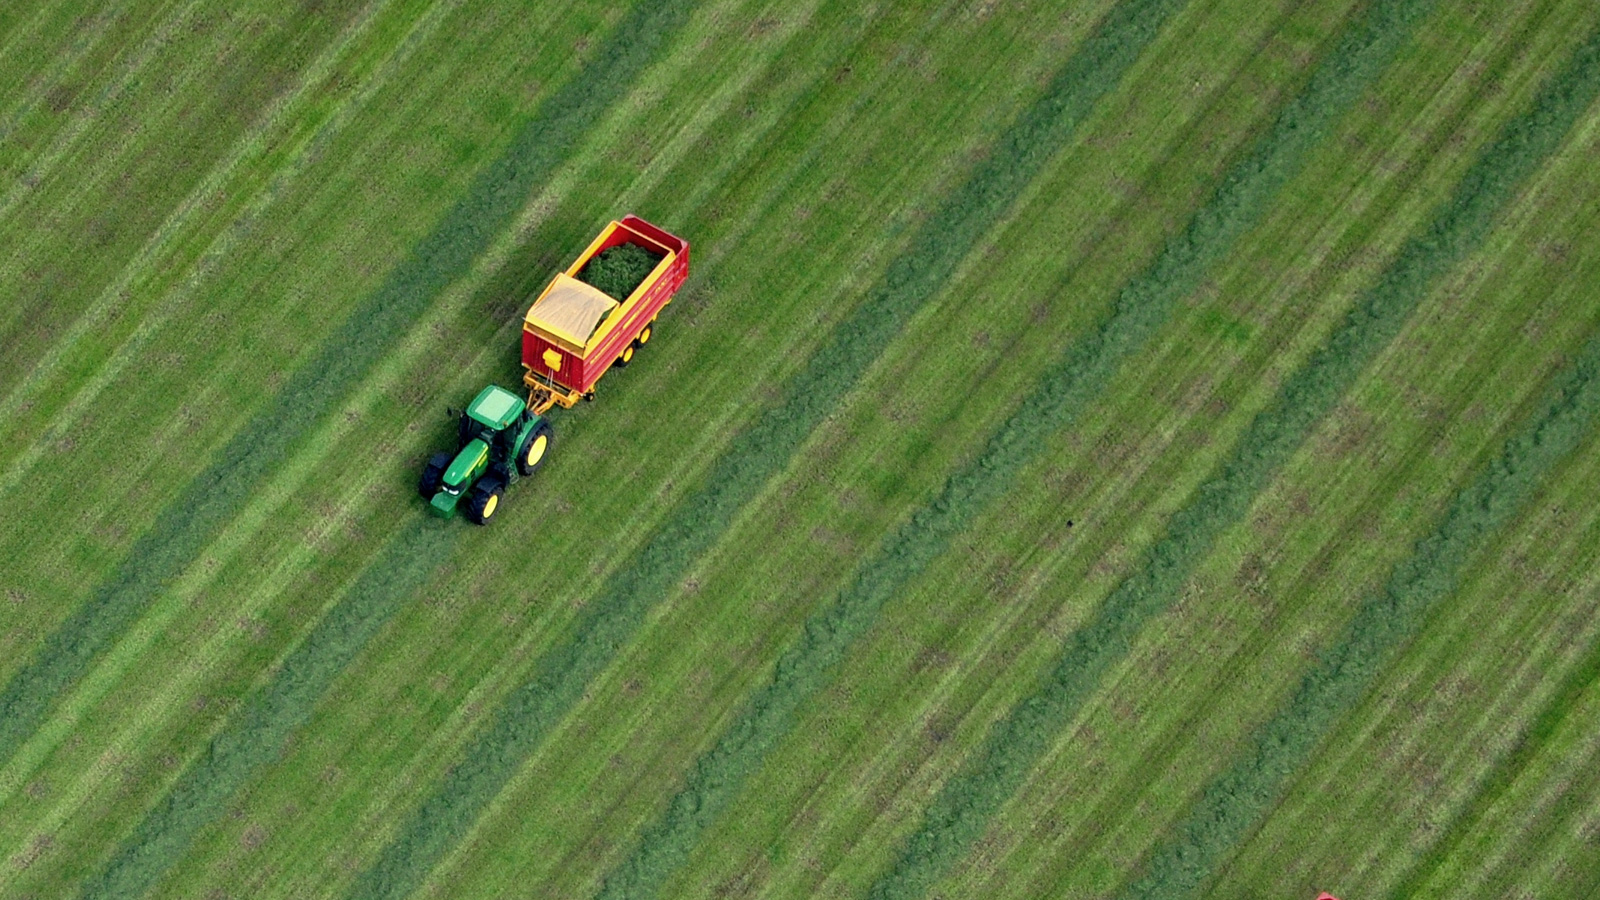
<point x="466" y="464"/>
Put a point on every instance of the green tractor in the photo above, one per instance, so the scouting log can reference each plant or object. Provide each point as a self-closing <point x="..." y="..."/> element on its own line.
<point x="498" y="440"/>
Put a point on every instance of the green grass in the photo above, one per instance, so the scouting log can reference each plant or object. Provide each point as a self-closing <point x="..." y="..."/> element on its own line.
<point x="808" y="666"/>
<point x="963" y="272"/>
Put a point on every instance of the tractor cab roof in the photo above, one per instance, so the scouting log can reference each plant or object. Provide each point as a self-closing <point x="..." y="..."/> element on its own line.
<point x="496" y="407"/>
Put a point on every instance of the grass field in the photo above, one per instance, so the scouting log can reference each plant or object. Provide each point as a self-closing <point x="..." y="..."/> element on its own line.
<point x="1126" y="448"/>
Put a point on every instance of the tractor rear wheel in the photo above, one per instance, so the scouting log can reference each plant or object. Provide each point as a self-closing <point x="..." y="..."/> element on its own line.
<point x="484" y="499"/>
<point x="534" y="448"/>
<point x="433" y="475"/>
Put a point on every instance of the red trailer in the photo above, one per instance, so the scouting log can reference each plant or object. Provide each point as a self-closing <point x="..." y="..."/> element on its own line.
<point x="573" y="332"/>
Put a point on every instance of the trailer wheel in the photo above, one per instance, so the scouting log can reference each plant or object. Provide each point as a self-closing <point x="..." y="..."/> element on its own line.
<point x="644" y="336"/>
<point x="484" y="499"/>
<point x="535" y="448"/>
<point x="625" y="358"/>
<point x="433" y="475"/>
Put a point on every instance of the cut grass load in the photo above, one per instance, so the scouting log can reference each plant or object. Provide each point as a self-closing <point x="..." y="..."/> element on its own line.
<point x="620" y="269"/>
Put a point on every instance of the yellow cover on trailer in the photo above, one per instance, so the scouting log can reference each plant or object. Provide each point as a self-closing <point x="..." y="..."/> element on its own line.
<point x="570" y="310"/>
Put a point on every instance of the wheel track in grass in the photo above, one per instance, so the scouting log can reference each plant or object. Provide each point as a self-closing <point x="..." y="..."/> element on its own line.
<point x="1159" y="753"/>
<point x="681" y="830"/>
<point x="218" y="493"/>
<point x="39" y="165"/>
<point x="757" y="453"/>
<point x="1231" y="803"/>
<point x="1312" y="282"/>
<point x="368" y="607"/>
<point x="1530" y="742"/>
<point x="71" y="52"/>
<point x="960" y="813"/>
<point x="154" y="257"/>
<point x="1385" y="622"/>
<point x="283" y="706"/>
<point x="808" y="665"/>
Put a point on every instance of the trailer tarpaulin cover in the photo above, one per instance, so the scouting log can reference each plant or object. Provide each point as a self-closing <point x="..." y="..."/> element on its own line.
<point x="570" y="310"/>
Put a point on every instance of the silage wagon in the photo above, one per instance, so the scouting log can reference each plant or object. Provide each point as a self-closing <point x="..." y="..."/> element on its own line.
<point x="574" y="333"/>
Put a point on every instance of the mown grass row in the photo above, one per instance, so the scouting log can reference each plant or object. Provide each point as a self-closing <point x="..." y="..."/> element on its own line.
<point x="1201" y="695"/>
<point x="796" y="290"/>
<point x="840" y="816"/>
<point x="1144" y="304"/>
<point x="961" y="811"/>
<point x="1351" y="818"/>
<point x="1386" y="621"/>
<point x="195" y="517"/>
<point x="273" y="712"/>
<point x="129" y="156"/>
<point x="189" y="244"/>
<point x="1530" y="744"/>
<point x="256" y="735"/>
<point x="911" y="279"/>
<point x="165" y="685"/>
<point x="706" y="628"/>
<point x="388" y="479"/>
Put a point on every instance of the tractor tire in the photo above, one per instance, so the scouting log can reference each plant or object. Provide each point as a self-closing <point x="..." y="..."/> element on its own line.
<point x="484" y="499"/>
<point x="644" y="336"/>
<point x="433" y="475"/>
<point x="535" y="448"/>
<point x="625" y="358"/>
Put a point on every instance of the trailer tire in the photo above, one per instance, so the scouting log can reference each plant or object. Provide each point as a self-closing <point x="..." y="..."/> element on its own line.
<point x="484" y="499"/>
<point x="644" y="336"/>
<point x="433" y="475"/>
<point x="535" y="448"/>
<point x="625" y="357"/>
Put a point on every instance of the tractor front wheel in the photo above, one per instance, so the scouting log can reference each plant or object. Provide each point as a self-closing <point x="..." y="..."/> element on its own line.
<point x="433" y="475"/>
<point x="535" y="448"/>
<point x="484" y="499"/>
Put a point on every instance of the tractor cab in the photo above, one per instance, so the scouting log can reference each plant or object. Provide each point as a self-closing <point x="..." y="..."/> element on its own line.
<point x="498" y="440"/>
<point x="491" y="412"/>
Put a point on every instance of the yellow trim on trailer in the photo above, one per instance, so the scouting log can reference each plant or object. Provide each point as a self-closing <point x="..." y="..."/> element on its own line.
<point x="544" y="393"/>
<point x="617" y="316"/>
